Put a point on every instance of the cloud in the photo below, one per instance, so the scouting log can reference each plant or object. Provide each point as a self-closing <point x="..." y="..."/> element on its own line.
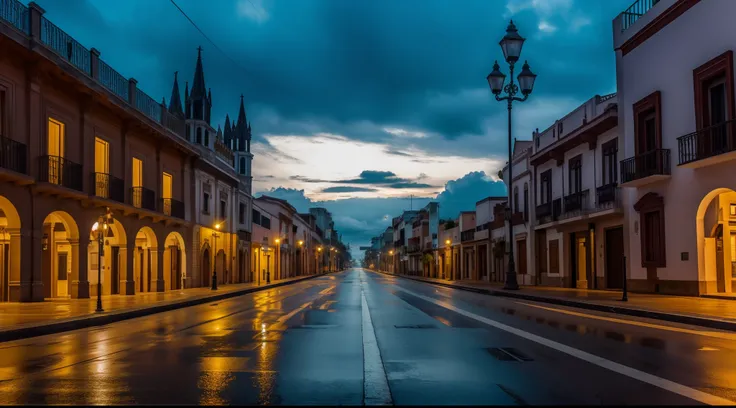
<point x="405" y="133"/>
<point x="347" y="189"/>
<point x="252" y="9"/>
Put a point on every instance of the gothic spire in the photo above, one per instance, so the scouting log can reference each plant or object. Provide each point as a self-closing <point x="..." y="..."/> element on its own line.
<point x="175" y="101"/>
<point x="198" y="86"/>
<point x="241" y="113"/>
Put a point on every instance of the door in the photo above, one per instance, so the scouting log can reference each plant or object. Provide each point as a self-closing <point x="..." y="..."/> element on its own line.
<point x="55" y="150"/>
<point x="581" y="262"/>
<point x="114" y="271"/>
<point x="720" y="270"/>
<point x="166" y="193"/>
<point x="102" y="168"/>
<point x="137" y="182"/>
<point x="206" y="270"/>
<point x="554" y="257"/>
<point x="615" y="258"/>
<point x="521" y="256"/>
<point x="62" y="283"/>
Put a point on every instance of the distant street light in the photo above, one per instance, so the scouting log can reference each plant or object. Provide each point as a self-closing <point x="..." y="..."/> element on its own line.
<point x="511" y="45"/>
<point x="100" y="229"/>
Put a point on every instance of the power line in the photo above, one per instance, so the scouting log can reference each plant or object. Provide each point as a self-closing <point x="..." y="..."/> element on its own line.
<point x="205" y="35"/>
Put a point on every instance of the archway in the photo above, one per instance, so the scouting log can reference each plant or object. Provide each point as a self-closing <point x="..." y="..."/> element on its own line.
<point x="60" y="261"/>
<point x="10" y="258"/>
<point x="717" y="248"/>
<point x="114" y="261"/>
<point x="175" y="261"/>
<point x="206" y="271"/>
<point x="145" y="262"/>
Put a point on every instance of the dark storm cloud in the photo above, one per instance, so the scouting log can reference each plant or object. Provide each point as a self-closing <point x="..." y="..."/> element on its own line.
<point x="383" y="61"/>
<point x="409" y="185"/>
<point x="371" y="177"/>
<point x="346" y="189"/>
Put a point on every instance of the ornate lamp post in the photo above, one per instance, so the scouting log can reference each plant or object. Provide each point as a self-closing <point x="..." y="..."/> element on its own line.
<point x="511" y="45"/>
<point x="100" y="230"/>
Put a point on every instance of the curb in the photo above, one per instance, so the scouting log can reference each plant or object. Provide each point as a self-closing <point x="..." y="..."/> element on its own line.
<point x="104" y="319"/>
<point x="670" y="317"/>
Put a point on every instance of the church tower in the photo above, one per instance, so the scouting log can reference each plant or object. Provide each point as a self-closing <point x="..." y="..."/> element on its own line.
<point x="198" y="108"/>
<point x="240" y="137"/>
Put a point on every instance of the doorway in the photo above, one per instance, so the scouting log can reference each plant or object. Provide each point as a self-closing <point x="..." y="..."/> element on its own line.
<point x="206" y="270"/>
<point x="614" y="258"/>
<point x="115" y="271"/>
<point x="521" y="256"/>
<point x="580" y="265"/>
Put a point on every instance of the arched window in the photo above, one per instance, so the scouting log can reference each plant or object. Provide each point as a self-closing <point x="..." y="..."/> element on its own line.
<point x="242" y="165"/>
<point x="207" y="138"/>
<point x="516" y="200"/>
<point x="199" y="135"/>
<point x="526" y="202"/>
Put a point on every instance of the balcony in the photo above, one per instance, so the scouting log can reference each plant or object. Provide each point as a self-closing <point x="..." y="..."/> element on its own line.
<point x="13" y="155"/>
<point x="635" y="11"/>
<point x="712" y="145"/>
<point x="60" y="171"/>
<point x="171" y="207"/>
<point x="468" y="235"/>
<point x="142" y="197"/>
<point x="646" y="168"/>
<point x="107" y="186"/>
<point x="576" y="202"/>
<point x="544" y="210"/>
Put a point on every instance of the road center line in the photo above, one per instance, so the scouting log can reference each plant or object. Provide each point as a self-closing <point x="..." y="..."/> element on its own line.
<point x="590" y="358"/>
<point x="375" y="383"/>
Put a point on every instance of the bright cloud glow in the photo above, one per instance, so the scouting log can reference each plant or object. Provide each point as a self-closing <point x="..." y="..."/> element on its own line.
<point x="252" y="9"/>
<point x="404" y="133"/>
<point x="546" y="27"/>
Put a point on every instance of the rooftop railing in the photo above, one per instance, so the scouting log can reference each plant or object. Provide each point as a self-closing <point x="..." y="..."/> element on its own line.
<point x="15" y="13"/>
<point x="113" y="81"/>
<point x="66" y="46"/>
<point x="635" y="11"/>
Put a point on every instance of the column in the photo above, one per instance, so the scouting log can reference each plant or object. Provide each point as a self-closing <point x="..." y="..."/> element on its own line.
<point x="80" y="267"/>
<point x="127" y="276"/>
<point x="157" y="270"/>
<point x="46" y="261"/>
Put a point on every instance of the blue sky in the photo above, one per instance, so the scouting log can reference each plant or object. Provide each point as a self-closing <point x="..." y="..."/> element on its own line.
<point x="359" y="104"/>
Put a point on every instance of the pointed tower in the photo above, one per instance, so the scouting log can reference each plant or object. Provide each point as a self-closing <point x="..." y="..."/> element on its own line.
<point x="242" y="129"/>
<point x="187" y="102"/>
<point x="228" y="133"/>
<point x="175" y="107"/>
<point x="219" y="133"/>
<point x="241" y="134"/>
<point x="199" y="103"/>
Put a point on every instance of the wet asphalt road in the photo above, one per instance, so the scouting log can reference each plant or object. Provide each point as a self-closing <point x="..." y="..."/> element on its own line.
<point x="314" y="343"/>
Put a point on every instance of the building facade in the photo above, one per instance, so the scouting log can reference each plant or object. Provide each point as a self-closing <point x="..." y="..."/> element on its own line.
<point x="676" y="118"/>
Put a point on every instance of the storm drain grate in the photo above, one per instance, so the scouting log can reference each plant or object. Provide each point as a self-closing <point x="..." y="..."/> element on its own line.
<point x="416" y="326"/>
<point x="508" y="354"/>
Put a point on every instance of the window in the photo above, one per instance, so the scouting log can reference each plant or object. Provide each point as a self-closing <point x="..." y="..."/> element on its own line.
<point x="199" y="135"/>
<point x="266" y="222"/>
<point x="733" y="210"/>
<point x="526" y="202"/>
<point x="223" y="208"/>
<point x="609" y="151"/>
<point x="516" y="199"/>
<point x="56" y="140"/>
<point x="137" y="182"/>
<point x="242" y="165"/>
<point x="206" y="203"/>
<point x="256" y="217"/>
<point x="714" y="104"/>
<point x="189" y="134"/>
<point x="653" y="239"/>
<point x="545" y="190"/>
<point x="648" y="125"/>
<point x="167" y="186"/>
<point x="102" y="156"/>
<point x="241" y="213"/>
<point x="559" y="129"/>
<point x="207" y="138"/>
<point x="575" y="174"/>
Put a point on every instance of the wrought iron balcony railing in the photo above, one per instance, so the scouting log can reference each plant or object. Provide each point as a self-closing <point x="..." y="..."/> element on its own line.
<point x="707" y="142"/>
<point x="544" y="210"/>
<point x="606" y="194"/>
<point x="635" y="11"/>
<point x="172" y="207"/>
<point x="467" y="235"/>
<point x="654" y="162"/>
<point x="58" y="170"/>
<point x="15" y="13"/>
<point x="13" y="155"/>
<point x="576" y="201"/>
<point x="107" y="186"/>
<point x="142" y="197"/>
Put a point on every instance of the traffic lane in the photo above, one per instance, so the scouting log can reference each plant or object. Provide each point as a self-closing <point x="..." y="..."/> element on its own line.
<point x="441" y="357"/>
<point x="687" y="355"/>
<point x="320" y="361"/>
<point x="186" y="356"/>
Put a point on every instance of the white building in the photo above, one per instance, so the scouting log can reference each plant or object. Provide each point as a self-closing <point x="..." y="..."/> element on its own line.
<point x="578" y="220"/>
<point x="674" y="67"/>
<point x="522" y="218"/>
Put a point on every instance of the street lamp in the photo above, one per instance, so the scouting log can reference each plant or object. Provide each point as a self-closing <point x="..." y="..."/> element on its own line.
<point x="511" y="45"/>
<point x="215" y="235"/>
<point x="100" y="229"/>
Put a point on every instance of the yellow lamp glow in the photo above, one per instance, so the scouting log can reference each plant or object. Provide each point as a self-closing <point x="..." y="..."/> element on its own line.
<point x="278" y="240"/>
<point x="447" y="242"/>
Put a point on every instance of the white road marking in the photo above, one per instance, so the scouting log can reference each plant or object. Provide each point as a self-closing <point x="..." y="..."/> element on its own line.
<point x="375" y="383"/>
<point x="718" y="335"/>
<point x="668" y="385"/>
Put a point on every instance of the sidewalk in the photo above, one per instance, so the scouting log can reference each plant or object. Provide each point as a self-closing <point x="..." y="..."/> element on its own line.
<point x="699" y="311"/>
<point x="23" y="320"/>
